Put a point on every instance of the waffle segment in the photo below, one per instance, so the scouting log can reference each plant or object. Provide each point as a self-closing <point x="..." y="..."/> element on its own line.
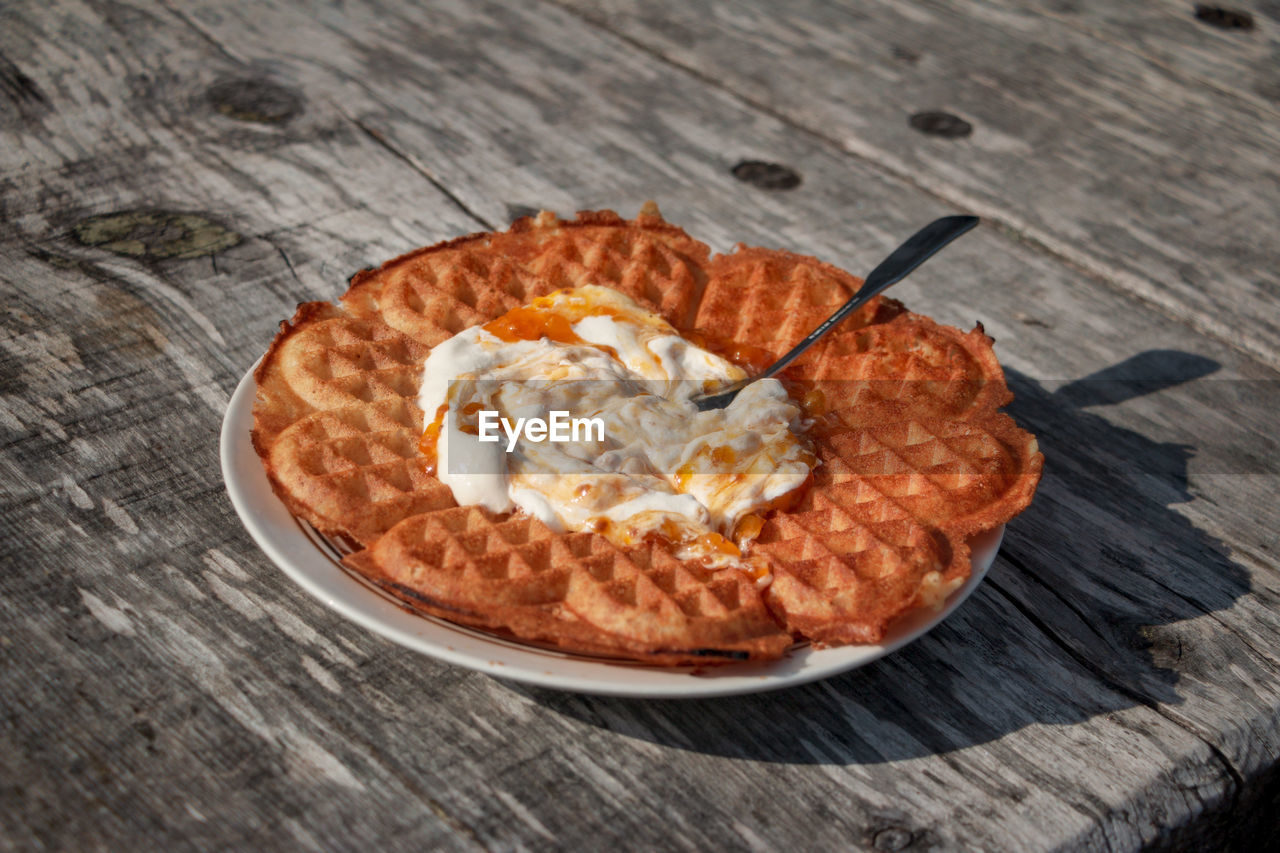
<point x="576" y="591"/>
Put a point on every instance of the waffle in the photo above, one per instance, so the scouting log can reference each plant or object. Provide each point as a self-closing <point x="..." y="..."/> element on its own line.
<point x="914" y="455"/>
<point x="577" y="591"/>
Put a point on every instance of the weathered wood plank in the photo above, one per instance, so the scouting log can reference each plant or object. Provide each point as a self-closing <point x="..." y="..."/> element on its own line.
<point x="147" y="570"/>
<point x="1217" y="49"/>
<point x="471" y="178"/>
<point x="1160" y="187"/>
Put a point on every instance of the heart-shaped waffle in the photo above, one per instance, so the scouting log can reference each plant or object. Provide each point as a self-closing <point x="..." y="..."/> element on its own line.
<point x="914" y="455"/>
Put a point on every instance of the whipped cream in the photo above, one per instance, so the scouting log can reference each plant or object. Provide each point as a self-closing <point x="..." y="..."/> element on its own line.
<point x="662" y="468"/>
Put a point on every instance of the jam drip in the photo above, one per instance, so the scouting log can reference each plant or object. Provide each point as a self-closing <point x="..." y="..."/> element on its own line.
<point x="427" y="445"/>
<point x="531" y="323"/>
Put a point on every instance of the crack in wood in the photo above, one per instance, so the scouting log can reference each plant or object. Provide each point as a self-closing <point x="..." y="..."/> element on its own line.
<point x="200" y="31"/>
<point x="380" y="138"/>
<point x="285" y="257"/>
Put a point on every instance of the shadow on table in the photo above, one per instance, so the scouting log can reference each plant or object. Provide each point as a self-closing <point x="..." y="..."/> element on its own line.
<point x="1092" y="558"/>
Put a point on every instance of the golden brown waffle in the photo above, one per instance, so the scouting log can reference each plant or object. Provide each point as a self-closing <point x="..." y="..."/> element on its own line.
<point x="915" y="458"/>
<point x="337" y="427"/>
<point x="914" y="455"/>
<point x="578" y="591"/>
<point x="438" y="291"/>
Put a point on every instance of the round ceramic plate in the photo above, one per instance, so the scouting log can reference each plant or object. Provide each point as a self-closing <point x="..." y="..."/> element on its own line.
<point x="313" y="562"/>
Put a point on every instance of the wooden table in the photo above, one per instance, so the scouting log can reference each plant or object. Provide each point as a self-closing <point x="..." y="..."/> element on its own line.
<point x="174" y="177"/>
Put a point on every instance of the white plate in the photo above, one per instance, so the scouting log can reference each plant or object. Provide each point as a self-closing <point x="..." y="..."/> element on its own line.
<point x="313" y="563"/>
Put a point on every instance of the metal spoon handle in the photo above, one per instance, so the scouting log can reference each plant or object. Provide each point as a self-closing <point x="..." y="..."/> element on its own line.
<point x="893" y="269"/>
<point x="920" y="247"/>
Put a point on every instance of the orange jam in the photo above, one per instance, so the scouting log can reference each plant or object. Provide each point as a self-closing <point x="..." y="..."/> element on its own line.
<point x="814" y="403"/>
<point x="531" y="323"/>
<point x="788" y="500"/>
<point x="751" y="358"/>
<point x="724" y="455"/>
<point x="431" y="436"/>
<point x="465" y="424"/>
<point x="749" y="527"/>
<point x="671" y="531"/>
<point x="707" y="543"/>
<point x="683" y="475"/>
<point x="715" y="543"/>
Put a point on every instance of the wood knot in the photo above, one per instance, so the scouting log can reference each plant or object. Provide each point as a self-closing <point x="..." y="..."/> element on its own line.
<point x="905" y="54"/>
<point x="892" y="838"/>
<point x="155" y="234"/>
<point x="248" y="99"/>
<point x="1223" y="19"/>
<point x="1163" y="645"/>
<point x="766" y="176"/>
<point x="937" y="123"/>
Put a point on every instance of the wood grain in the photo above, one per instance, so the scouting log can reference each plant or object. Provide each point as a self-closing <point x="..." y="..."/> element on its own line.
<point x="1112" y="685"/>
<point x="1242" y="62"/>
<point x="1153" y="182"/>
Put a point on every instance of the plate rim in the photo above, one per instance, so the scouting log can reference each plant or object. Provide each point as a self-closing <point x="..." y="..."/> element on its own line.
<point x="284" y="540"/>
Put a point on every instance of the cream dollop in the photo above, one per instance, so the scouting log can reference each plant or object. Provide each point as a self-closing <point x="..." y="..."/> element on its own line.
<point x="662" y="468"/>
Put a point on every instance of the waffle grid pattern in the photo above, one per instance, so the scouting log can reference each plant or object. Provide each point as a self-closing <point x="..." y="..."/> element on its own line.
<point x="914" y="454"/>
<point x="577" y="590"/>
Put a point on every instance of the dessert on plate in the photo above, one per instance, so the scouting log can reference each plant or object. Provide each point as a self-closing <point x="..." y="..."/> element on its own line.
<point x="415" y="421"/>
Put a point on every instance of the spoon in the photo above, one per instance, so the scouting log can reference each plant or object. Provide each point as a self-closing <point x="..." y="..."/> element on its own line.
<point x="920" y="247"/>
